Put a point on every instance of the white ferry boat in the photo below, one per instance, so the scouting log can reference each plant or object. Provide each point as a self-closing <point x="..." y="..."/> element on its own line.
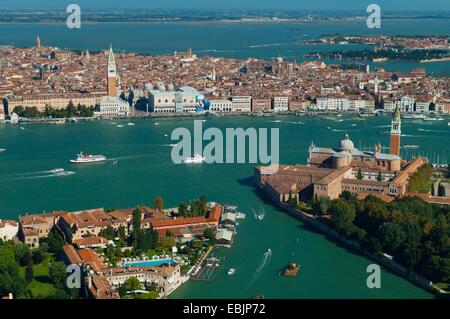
<point x="194" y="160"/>
<point x="82" y="158"/>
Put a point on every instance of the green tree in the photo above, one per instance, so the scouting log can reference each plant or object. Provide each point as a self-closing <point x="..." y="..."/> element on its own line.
<point x="202" y="204"/>
<point x="108" y="232"/>
<point x="391" y="236"/>
<point x="359" y="174"/>
<point x="57" y="271"/>
<point x="71" y="109"/>
<point x="210" y="234"/>
<point x="441" y="190"/>
<point x="55" y="241"/>
<point x="131" y="284"/>
<point x="343" y="216"/>
<point x="183" y="209"/>
<point x="136" y="225"/>
<point x="37" y="256"/>
<point x="379" y="177"/>
<point x="29" y="272"/>
<point x="10" y="279"/>
<point x="25" y="259"/>
<point x="158" y="202"/>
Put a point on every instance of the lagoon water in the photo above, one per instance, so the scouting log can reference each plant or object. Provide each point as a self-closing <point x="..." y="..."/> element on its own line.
<point x="237" y="40"/>
<point x="144" y="169"/>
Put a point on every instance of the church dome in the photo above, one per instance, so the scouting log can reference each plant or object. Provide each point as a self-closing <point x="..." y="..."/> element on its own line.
<point x="346" y="144"/>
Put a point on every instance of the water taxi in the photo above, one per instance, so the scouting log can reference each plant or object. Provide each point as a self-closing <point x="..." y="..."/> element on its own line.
<point x="82" y="158"/>
<point x="194" y="160"/>
<point x="56" y="170"/>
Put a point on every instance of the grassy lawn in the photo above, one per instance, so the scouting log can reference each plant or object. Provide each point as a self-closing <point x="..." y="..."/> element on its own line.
<point x="41" y="285"/>
<point x="425" y="188"/>
<point x="40" y="289"/>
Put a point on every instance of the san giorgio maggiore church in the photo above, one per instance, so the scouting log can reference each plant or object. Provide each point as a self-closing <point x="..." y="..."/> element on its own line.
<point x="111" y="105"/>
<point x="330" y="171"/>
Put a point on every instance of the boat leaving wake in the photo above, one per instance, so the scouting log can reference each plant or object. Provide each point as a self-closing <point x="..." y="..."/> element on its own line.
<point x="259" y="215"/>
<point x="264" y="262"/>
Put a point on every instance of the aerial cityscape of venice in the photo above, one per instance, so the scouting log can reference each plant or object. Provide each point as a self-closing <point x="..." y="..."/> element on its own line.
<point x="234" y="150"/>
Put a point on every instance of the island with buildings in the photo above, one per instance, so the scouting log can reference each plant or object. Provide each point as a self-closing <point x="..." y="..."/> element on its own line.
<point x="141" y="252"/>
<point x="368" y="201"/>
<point x="50" y="84"/>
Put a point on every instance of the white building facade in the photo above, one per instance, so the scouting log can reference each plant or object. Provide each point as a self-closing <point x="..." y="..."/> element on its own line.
<point x="111" y="107"/>
<point x="242" y="103"/>
<point x="224" y="106"/>
<point x="281" y="103"/>
<point x="8" y="229"/>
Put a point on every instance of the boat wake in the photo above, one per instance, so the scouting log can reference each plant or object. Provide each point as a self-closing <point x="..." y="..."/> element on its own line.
<point x="288" y="122"/>
<point x="259" y="215"/>
<point x="31" y="176"/>
<point x="267" y="45"/>
<point x="128" y="157"/>
<point x="264" y="262"/>
<point x="435" y="131"/>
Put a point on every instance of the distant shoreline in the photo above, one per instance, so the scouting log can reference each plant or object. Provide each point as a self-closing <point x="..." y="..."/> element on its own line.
<point x="226" y="21"/>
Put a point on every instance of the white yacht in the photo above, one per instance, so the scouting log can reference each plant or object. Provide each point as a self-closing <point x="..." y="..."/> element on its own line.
<point x="82" y="158"/>
<point x="194" y="160"/>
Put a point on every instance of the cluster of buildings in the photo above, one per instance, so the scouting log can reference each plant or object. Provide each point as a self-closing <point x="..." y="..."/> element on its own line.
<point x="81" y="231"/>
<point x="331" y="171"/>
<point x="184" y="82"/>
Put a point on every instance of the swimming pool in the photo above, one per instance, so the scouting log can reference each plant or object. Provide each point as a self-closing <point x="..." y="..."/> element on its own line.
<point x="156" y="262"/>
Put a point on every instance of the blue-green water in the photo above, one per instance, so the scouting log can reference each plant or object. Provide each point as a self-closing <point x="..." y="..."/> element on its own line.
<point x="237" y="40"/>
<point x="144" y="169"/>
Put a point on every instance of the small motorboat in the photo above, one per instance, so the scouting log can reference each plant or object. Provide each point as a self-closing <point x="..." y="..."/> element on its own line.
<point x="194" y="160"/>
<point x="130" y="124"/>
<point x="231" y="271"/>
<point x="56" y="170"/>
<point x="2" y="150"/>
